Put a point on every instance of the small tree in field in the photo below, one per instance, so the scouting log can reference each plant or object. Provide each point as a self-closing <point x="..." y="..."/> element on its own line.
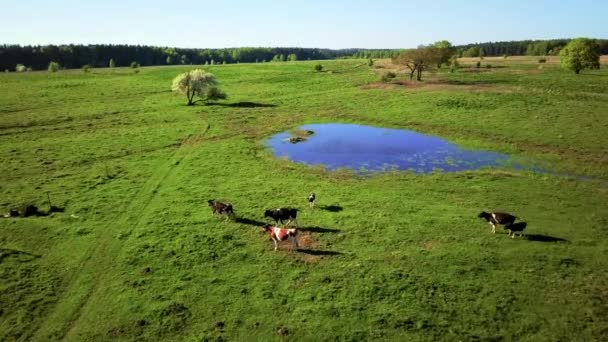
<point x="580" y="54"/>
<point x="53" y="67"/>
<point x="20" y="68"/>
<point x="318" y="68"/>
<point x="112" y="64"/>
<point x="197" y="83"/>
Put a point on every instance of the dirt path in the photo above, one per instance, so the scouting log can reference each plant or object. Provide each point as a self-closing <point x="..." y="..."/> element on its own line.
<point x="97" y="263"/>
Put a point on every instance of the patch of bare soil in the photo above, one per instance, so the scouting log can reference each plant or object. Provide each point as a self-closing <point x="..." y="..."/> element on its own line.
<point x="440" y="85"/>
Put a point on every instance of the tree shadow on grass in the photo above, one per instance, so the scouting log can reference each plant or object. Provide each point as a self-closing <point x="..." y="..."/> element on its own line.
<point x="545" y="238"/>
<point x="244" y="104"/>
<point x="332" y="208"/>
<point x="249" y="222"/>
<point x="318" y="230"/>
<point x="318" y="252"/>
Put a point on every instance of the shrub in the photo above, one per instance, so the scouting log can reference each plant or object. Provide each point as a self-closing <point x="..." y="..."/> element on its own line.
<point x="20" y="68"/>
<point x="136" y="71"/>
<point x="134" y="65"/>
<point x="112" y="64"/>
<point x="478" y="64"/>
<point x="580" y="54"/>
<point x="542" y="60"/>
<point x="488" y="66"/>
<point x="197" y="83"/>
<point x="86" y="68"/>
<point x="370" y="62"/>
<point x="387" y="77"/>
<point x="53" y="67"/>
<point x="505" y="56"/>
<point x="318" y="68"/>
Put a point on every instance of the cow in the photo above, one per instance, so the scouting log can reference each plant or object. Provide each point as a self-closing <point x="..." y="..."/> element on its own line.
<point x="516" y="228"/>
<point x="283" y="214"/>
<point x="311" y="200"/>
<point x="278" y="234"/>
<point x="220" y="208"/>
<point x="495" y="218"/>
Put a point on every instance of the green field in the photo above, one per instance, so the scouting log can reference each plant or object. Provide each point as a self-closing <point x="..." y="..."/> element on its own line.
<point x="137" y="254"/>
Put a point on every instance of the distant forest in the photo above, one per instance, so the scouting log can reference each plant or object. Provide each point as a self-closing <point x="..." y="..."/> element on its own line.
<point x="77" y="56"/>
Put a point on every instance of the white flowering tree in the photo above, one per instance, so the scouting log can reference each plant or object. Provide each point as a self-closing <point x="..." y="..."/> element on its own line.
<point x="197" y="83"/>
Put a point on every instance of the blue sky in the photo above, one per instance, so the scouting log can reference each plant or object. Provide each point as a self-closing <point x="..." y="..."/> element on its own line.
<point x="312" y="23"/>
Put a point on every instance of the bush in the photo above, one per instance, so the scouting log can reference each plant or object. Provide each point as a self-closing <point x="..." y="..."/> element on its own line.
<point x="387" y="77"/>
<point x="136" y="71"/>
<point x="370" y="62"/>
<point x="53" y="67"/>
<point x="478" y="64"/>
<point x="542" y="60"/>
<point x="197" y="83"/>
<point x="86" y="68"/>
<point x="505" y="56"/>
<point x="112" y="64"/>
<point x="134" y="65"/>
<point x="318" y="68"/>
<point x="20" y="68"/>
<point x="488" y="66"/>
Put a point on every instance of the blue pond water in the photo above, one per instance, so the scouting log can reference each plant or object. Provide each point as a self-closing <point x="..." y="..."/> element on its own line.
<point x="366" y="148"/>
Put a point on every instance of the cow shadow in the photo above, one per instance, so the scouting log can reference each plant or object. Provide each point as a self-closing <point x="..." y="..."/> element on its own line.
<point x="249" y="222"/>
<point x="318" y="252"/>
<point x="545" y="238"/>
<point x="332" y="208"/>
<point x="243" y="104"/>
<point x="318" y="230"/>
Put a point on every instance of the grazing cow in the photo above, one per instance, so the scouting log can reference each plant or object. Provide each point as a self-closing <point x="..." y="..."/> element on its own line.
<point x="220" y="208"/>
<point x="283" y="214"/>
<point x="516" y="228"/>
<point x="311" y="199"/>
<point x="278" y="234"/>
<point x="497" y="218"/>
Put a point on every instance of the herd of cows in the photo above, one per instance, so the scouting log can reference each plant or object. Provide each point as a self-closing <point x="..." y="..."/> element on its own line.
<point x="282" y="233"/>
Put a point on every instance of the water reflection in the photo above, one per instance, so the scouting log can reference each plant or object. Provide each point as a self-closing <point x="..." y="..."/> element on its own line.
<point x="377" y="149"/>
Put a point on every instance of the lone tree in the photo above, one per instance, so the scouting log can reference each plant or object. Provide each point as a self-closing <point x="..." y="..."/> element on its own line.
<point x="580" y="54"/>
<point x="112" y="64"/>
<point x="420" y="59"/>
<point x="198" y="83"/>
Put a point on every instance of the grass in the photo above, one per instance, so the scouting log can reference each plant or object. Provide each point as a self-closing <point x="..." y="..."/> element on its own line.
<point x="137" y="254"/>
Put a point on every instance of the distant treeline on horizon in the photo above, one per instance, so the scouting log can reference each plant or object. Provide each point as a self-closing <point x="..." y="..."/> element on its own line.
<point x="77" y="56"/>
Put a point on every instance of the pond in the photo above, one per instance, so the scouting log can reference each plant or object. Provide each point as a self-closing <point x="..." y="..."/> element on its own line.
<point x="369" y="149"/>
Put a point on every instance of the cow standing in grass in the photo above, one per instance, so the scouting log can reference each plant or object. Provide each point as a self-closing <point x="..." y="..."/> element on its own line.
<point x="278" y="234"/>
<point x="283" y="214"/>
<point x="220" y="208"/>
<point x="495" y="218"/>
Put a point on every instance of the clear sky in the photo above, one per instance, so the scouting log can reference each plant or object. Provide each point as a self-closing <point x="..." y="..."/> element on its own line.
<point x="303" y="23"/>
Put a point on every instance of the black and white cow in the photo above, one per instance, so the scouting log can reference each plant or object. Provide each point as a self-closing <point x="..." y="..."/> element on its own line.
<point x="311" y="199"/>
<point x="495" y="218"/>
<point x="283" y="214"/>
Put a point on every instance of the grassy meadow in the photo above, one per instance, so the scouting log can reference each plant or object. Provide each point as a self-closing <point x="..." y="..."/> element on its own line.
<point x="137" y="255"/>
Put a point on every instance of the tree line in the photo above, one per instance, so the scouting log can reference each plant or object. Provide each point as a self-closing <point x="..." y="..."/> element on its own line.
<point x="521" y="48"/>
<point x="77" y="56"/>
<point x="492" y="49"/>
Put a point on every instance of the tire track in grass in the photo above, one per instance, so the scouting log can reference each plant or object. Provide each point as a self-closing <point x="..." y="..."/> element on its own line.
<point x="98" y="262"/>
